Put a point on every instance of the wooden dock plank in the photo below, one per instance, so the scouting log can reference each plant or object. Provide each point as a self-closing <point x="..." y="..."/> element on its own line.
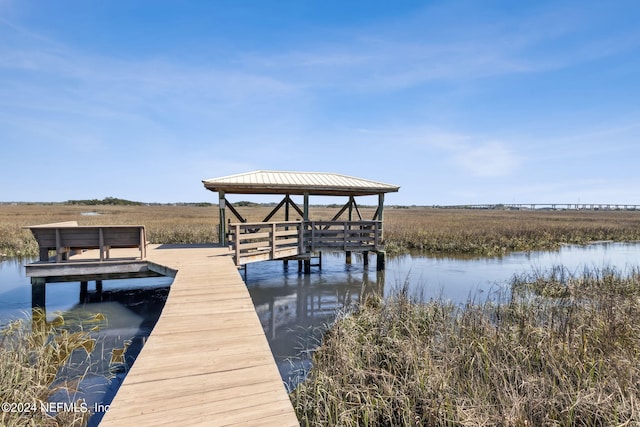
<point x="207" y="361"/>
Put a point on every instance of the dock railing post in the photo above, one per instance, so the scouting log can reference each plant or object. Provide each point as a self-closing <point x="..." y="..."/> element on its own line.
<point x="101" y="243"/>
<point x="301" y="238"/>
<point x="273" y="240"/>
<point x="58" y="246"/>
<point x="222" y="238"/>
<point x="236" y="243"/>
<point x="143" y="243"/>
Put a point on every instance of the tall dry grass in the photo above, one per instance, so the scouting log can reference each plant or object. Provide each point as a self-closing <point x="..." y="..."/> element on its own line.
<point x="31" y="356"/>
<point x="494" y="232"/>
<point x="448" y="231"/>
<point x="570" y="359"/>
<point x="164" y="224"/>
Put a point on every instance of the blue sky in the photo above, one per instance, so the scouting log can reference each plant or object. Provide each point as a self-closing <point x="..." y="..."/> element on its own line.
<point x="455" y="101"/>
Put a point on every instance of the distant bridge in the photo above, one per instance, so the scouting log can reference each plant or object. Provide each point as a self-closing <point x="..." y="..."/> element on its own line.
<point x="547" y="206"/>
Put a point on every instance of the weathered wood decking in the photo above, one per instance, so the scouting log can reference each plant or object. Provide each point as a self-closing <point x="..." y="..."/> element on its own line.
<point x="207" y="361"/>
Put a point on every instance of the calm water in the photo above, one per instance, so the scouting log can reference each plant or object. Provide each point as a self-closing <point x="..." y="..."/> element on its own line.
<point x="130" y="308"/>
<point x="291" y="306"/>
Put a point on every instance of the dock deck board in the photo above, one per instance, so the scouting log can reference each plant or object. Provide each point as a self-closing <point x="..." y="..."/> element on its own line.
<point x="207" y="360"/>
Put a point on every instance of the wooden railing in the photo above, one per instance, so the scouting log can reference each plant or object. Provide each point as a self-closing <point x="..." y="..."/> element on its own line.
<point x="261" y="241"/>
<point x="343" y="235"/>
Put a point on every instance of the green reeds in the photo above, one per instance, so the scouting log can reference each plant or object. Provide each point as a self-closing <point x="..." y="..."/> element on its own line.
<point x="538" y="356"/>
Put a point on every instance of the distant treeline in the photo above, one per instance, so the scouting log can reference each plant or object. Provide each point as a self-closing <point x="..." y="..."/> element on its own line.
<point x="115" y="201"/>
<point x="111" y="201"/>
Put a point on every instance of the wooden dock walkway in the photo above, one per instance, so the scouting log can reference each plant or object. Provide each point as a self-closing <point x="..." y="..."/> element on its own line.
<point x="207" y="361"/>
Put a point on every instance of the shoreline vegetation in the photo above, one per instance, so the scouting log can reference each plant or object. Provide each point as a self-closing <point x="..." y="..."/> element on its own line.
<point x="33" y="352"/>
<point x="474" y="232"/>
<point x="556" y="350"/>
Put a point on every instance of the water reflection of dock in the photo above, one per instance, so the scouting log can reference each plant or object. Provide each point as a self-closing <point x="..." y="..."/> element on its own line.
<point x="303" y="304"/>
<point x="207" y="360"/>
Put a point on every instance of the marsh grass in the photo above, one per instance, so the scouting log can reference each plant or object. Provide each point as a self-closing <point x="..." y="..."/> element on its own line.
<point x="495" y="232"/>
<point x="164" y="224"/>
<point x="446" y="231"/>
<point x="31" y="357"/>
<point x="559" y="350"/>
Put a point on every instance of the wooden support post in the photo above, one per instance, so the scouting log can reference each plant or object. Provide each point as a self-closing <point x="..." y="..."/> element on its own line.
<point x="38" y="309"/>
<point x="305" y="246"/>
<point x="285" y="263"/>
<point x="222" y="238"/>
<point x="365" y="258"/>
<point x="44" y="254"/>
<point x="380" y="262"/>
<point x="380" y="278"/>
<point x="38" y="292"/>
<point x="99" y="289"/>
<point x="348" y="253"/>
<point x="380" y="214"/>
<point x="84" y="291"/>
<point x="286" y="209"/>
<point x="39" y="324"/>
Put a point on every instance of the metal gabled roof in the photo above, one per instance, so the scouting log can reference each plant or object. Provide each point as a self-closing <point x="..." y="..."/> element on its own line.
<point x="283" y="182"/>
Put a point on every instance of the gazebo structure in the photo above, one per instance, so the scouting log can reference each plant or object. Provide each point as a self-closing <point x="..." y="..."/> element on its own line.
<point x="257" y="241"/>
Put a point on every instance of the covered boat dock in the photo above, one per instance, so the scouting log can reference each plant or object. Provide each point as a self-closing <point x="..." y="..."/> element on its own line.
<point x="305" y="237"/>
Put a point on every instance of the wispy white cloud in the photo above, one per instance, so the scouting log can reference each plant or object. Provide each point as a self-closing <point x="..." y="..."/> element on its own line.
<point x="407" y="53"/>
<point x="473" y="155"/>
<point x="36" y="68"/>
<point x="385" y="64"/>
<point x="410" y="91"/>
<point x="491" y="159"/>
